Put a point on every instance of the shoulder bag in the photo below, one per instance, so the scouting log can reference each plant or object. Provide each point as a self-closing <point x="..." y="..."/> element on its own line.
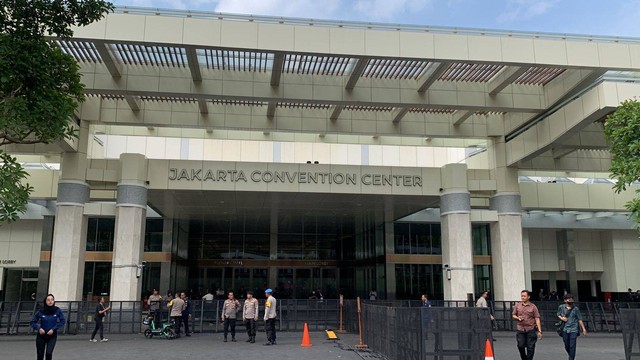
<point x="560" y="324"/>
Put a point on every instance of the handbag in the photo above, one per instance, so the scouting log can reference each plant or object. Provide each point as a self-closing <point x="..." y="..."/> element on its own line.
<point x="560" y="324"/>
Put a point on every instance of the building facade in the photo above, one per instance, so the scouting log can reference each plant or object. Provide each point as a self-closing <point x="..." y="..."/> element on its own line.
<point x="238" y="152"/>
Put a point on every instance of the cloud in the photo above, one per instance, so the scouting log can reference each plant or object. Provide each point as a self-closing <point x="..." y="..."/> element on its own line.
<point x="207" y="5"/>
<point x="519" y="10"/>
<point x="385" y="10"/>
<point x="319" y="9"/>
<point x="626" y="23"/>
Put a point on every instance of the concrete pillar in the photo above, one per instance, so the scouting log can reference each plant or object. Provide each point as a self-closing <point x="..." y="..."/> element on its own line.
<point x="455" y="210"/>
<point x="45" y="263"/>
<point x="69" y="241"/>
<point x="507" y="248"/>
<point x="553" y="281"/>
<point x="527" y="259"/>
<point x="390" y="249"/>
<point x="70" y="228"/>
<point x="167" y="247"/>
<point x="567" y="257"/>
<point x="131" y="213"/>
<point x="273" y="248"/>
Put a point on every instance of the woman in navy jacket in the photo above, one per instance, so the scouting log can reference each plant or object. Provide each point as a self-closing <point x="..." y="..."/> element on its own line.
<point x="47" y="322"/>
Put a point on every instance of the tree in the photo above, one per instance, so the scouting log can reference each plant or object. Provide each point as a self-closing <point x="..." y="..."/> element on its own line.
<point x="39" y="84"/>
<point x="622" y="128"/>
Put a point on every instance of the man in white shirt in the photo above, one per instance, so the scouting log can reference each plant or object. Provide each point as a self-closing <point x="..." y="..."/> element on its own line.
<point x="482" y="302"/>
<point x="208" y="296"/>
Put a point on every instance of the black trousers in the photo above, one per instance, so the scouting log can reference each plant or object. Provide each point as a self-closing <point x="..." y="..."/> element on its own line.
<point x="569" y="340"/>
<point x="99" y="326"/>
<point x="185" y="321"/>
<point x="177" y="322"/>
<point x="229" y="323"/>
<point x="45" y="345"/>
<point x="270" y="328"/>
<point x="251" y="327"/>
<point x="527" y="340"/>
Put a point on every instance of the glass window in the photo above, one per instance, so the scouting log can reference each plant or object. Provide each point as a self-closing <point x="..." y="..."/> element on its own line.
<point x="100" y="233"/>
<point x="482" y="274"/>
<point x="402" y="234"/>
<point x="417" y="238"/>
<point x="289" y="246"/>
<point x="413" y="280"/>
<point x="153" y="235"/>
<point x="150" y="278"/>
<point x="481" y="239"/>
<point x="97" y="279"/>
<point x="257" y="246"/>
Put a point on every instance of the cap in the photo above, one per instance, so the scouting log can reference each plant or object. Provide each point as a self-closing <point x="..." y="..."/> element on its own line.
<point x="268" y="291"/>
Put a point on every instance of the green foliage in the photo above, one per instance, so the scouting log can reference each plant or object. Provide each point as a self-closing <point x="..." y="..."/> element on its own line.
<point x="13" y="192"/>
<point x="622" y="128"/>
<point x="37" y="18"/>
<point x="40" y="85"/>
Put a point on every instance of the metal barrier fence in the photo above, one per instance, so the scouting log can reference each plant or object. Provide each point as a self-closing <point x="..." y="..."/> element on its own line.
<point x="126" y="317"/>
<point x="630" y="323"/>
<point x="417" y="333"/>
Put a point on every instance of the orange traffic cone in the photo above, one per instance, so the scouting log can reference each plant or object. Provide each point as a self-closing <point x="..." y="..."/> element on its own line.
<point x="306" y="341"/>
<point x="488" y="351"/>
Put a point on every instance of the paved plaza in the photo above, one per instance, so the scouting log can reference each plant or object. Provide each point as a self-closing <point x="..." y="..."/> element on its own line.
<point x="208" y="346"/>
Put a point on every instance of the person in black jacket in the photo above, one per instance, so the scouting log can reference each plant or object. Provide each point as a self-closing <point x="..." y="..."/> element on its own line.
<point x="46" y="322"/>
<point x="101" y="311"/>
<point x="186" y="313"/>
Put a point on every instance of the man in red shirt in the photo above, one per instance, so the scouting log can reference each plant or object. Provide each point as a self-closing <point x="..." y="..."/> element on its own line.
<point x="528" y="328"/>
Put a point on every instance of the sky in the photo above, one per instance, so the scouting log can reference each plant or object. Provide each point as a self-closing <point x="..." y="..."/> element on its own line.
<point x="587" y="17"/>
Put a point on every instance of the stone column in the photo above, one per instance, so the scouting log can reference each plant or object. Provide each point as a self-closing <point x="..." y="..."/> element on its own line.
<point x="507" y="248"/>
<point x="131" y="213"/>
<point x="273" y="247"/>
<point x="390" y="249"/>
<point x="567" y="256"/>
<point x="69" y="241"/>
<point x="455" y="210"/>
<point x="167" y="247"/>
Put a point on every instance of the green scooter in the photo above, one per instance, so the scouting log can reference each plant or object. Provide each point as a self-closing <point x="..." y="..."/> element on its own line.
<point x="167" y="329"/>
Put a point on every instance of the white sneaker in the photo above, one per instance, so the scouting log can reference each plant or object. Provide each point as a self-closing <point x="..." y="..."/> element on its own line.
<point x="104" y="340"/>
<point x="93" y="340"/>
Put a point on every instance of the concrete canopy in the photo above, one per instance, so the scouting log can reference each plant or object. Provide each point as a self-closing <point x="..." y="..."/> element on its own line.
<point x="154" y="68"/>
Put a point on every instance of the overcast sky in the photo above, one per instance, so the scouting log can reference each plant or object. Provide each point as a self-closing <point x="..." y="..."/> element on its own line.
<point x="589" y="17"/>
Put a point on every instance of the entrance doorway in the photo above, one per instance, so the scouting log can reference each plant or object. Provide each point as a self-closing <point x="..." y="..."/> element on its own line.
<point x="20" y="284"/>
<point x="300" y="283"/>
<point x="236" y="279"/>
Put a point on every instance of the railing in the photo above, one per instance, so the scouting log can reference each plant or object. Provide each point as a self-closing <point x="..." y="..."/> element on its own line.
<point x="421" y="332"/>
<point x="630" y="322"/>
<point x="126" y="317"/>
<point x="371" y="25"/>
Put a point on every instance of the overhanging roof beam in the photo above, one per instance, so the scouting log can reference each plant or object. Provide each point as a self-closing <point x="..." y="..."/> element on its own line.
<point x="336" y="112"/>
<point x="134" y="102"/>
<point x="114" y="68"/>
<point x="461" y="116"/>
<point x="358" y="69"/>
<point x="276" y="71"/>
<point x="505" y="78"/>
<point x="202" y="105"/>
<point x="432" y="73"/>
<point x="558" y="153"/>
<point x="194" y="65"/>
<point x="399" y="113"/>
<point x="271" y="109"/>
